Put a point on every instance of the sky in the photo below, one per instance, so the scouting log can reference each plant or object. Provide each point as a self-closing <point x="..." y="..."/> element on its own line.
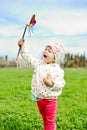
<point x="62" y="21"/>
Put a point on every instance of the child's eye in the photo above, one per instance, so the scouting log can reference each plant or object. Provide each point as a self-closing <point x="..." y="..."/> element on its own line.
<point x="49" y="51"/>
<point x="45" y="49"/>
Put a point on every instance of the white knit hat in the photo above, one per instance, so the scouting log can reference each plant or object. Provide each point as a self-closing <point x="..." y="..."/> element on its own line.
<point x="58" y="50"/>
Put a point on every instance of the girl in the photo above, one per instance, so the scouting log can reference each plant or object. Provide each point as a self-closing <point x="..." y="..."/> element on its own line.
<point x="47" y="82"/>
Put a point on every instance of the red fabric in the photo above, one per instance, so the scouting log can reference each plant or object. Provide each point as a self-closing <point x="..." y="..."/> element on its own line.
<point x="47" y="108"/>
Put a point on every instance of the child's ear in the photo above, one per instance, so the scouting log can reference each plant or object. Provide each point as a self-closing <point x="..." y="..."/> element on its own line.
<point x="54" y="59"/>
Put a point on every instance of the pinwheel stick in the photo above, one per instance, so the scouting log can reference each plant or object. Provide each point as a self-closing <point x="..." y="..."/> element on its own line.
<point x="22" y="38"/>
<point x="30" y="25"/>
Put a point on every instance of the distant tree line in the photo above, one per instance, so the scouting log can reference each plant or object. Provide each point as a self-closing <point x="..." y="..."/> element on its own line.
<point x="70" y="61"/>
<point x="75" y="61"/>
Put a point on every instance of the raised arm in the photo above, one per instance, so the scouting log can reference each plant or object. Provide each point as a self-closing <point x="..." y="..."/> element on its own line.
<point x="26" y="55"/>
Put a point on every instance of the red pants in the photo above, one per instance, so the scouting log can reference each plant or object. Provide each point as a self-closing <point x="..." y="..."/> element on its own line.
<point x="47" y="108"/>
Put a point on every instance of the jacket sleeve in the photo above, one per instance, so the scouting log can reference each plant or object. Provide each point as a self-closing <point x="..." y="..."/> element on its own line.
<point x="58" y="80"/>
<point x="33" y="62"/>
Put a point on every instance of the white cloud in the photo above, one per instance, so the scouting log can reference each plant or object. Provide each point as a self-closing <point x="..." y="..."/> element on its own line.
<point x="66" y="22"/>
<point x="9" y="31"/>
<point x="63" y="22"/>
<point x="76" y="50"/>
<point x="52" y="22"/>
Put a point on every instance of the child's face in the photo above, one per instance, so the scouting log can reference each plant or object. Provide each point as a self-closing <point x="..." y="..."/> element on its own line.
<point x="48" y="55"/>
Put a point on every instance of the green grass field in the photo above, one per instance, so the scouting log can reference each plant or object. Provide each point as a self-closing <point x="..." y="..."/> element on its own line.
<point x="19" y="112"/>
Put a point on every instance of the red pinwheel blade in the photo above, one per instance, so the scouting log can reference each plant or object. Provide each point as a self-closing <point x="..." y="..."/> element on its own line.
<point x="32" y="21"/>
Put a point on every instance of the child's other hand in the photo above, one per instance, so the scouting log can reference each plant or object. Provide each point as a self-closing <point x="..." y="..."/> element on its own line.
<point x="48" y="80"/>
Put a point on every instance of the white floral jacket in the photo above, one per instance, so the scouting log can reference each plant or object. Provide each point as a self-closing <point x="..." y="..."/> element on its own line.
<point x="41" y="69"/>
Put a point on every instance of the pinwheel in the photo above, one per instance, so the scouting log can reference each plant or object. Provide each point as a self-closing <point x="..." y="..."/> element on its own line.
<point x="30" y="26"/>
